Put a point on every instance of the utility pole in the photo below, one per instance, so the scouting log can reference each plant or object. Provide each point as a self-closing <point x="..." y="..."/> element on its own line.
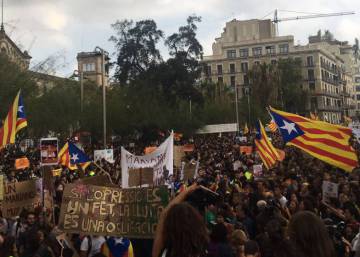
<point x="103" y="91"/>
<point x="237" y="108"/>
<point x="81" y="91"/>
<point x="2" y="16"/>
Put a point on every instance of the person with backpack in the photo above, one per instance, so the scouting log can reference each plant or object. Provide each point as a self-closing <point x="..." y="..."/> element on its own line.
<point x="91" y="245"/>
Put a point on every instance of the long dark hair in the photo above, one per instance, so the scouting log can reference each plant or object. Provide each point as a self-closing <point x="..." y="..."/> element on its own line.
<point x="185" y="232"/>
<point x="309" y="235"/>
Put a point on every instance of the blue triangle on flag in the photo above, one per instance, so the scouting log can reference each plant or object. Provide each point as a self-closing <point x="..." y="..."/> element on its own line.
<point x="76" y="155"/>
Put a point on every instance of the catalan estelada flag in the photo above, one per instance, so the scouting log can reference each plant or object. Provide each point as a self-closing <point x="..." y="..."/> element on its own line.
<point x="272" y="126"/>
<point x="322" y="140"/>
<point x="117" y="247"/>
<point x="14" y="121"/>
<point x="66" y="158"/>
<point x="264" y="147"/>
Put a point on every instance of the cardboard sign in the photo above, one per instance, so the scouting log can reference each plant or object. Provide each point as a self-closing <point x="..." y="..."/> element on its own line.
<point x="329" y="190"/>
<point x="189" y="171"/>
<point x="1" y="187"/>
<point x="22" y="163"/>
<point x="246" y="149"/>
<point x="107" y="154"/>
<point x="98" y="180"/>
<point x="49" y="151"/>
<point x="110" y="211"/>
<point x="178" y="155"/>
<point x="141" y="176"/>
<point x="19" y="195"/>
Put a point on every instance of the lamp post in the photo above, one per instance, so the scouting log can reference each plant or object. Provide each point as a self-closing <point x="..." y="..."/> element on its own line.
<point x="246" y="91"/>
<point x="103" y="52"/>
<point x="80" y="75"/>
<point x="237" y="107"/>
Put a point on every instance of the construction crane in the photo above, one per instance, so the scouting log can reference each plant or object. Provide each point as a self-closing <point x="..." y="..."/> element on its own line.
<point x="276" y="19"/>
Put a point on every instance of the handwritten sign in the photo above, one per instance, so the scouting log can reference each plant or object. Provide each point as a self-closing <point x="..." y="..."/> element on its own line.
<point x="110" y="211"/>
<point x="178" y="155"/>
<point x="49" y="151"/>
<point x="19" y="195"/>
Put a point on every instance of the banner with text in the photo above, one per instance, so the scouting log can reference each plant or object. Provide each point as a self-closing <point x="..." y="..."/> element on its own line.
<point x="107" y="155"/>
<point x="19" y="195"/>
<point x="159" y="163"/>
<point x="110" y="211"/>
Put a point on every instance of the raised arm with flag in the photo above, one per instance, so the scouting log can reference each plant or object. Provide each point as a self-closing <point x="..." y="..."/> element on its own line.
<point x="322" y="140"/>
<point x="14" y="121"/>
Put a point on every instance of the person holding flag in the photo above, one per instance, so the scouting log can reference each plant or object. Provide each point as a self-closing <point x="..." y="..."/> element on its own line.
<point x="322" y="140"/>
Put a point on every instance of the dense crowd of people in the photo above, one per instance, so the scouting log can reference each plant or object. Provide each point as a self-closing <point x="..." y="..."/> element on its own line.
<point x="227" y="210"/>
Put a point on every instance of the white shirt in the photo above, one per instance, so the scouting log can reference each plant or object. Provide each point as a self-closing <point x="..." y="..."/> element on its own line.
<point x="96" y="243"/>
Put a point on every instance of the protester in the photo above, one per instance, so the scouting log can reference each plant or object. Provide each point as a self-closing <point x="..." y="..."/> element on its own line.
<point x="270" y="208"/>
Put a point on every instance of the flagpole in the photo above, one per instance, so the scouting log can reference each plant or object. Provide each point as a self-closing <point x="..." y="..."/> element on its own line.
<point x="107" y="173"/>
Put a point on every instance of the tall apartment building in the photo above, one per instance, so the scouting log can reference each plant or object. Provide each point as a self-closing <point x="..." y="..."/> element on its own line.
<point x="246" y="43"/>
<point x="90" y="64"/>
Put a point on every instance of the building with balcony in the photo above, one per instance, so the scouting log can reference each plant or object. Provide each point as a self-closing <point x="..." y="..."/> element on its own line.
<point x="326" y="76"/>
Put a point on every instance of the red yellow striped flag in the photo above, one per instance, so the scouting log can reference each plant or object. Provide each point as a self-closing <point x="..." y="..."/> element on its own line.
<point x="64" y="159"/>
<point x="325" y="141"/>
<point x="272" y="126"/>
<point x="14" y="121"/>
<point x="266" y="150"/>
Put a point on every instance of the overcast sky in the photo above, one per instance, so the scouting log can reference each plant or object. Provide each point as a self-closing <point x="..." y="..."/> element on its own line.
<point x="65" y="27"/>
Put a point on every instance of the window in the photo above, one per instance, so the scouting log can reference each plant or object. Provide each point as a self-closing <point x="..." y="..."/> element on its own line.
<point x="310" y="61"/>
<point x="358" y="97"/>
<point x="88" y="66"/>
<point x="231" y="54"/>
<point x="312" y="86"/>
<point x="208" y="71"/>
<point x="270" y="49"/>
<point x="219" y="69"/>
<point x="257" y="51"/>
<point x="313" y="102"/>
<point x="311" y="75"/>
<point x="220" y="80"/>
<point x="244" y="67"/>
<point x="328" y="101"/>
<point x="273" y="62"/>
<point x="232" y="81"/>
<point x="357" y="80"/>
<point x="358" y="88"/>
<point x="284" y="49"/>
<point x="232" y="67"/>
<point x="244" y="53"/>
<point x="257" y="63"/>
<point x="246" y="80"/>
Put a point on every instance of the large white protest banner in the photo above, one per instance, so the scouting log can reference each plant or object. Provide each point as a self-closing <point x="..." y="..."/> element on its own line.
<point x="158" y="162"/>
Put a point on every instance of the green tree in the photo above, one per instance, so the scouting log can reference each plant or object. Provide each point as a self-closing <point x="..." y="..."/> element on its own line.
<point x="136" y="47"/>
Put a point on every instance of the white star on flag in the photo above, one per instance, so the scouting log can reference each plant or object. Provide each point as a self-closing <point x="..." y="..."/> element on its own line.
<point x="74" y="157"/>
<point x="290" y="127"/>
<point x="20" y="109"/>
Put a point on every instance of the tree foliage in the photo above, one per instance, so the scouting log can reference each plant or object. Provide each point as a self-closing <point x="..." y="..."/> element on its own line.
<point x="136" y="47"/>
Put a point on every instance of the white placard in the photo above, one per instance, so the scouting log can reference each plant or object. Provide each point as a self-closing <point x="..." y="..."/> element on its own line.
<point x="160" y="161"/>
<point x="329" y="190"/>
<point x="107" y="154"/>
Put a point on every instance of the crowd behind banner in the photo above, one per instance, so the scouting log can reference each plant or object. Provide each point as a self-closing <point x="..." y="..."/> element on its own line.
<point x="246" y="209"/>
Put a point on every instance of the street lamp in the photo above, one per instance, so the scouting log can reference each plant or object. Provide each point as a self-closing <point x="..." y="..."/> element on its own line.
<point x="237" y="107"/>
<point x="247" y="92"/>
<point x="103" y="52"/>
<point x="80" y="75"/>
